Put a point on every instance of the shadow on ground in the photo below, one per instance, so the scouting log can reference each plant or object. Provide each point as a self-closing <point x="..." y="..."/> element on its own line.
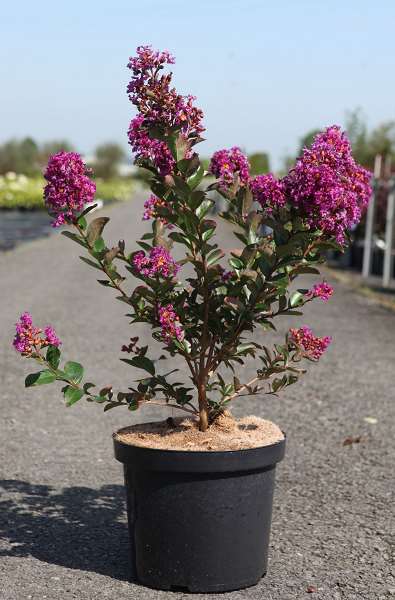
<point x="78" y="528"/>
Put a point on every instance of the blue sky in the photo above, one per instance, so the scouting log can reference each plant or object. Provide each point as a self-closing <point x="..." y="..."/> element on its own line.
<point x="264" y="72"/>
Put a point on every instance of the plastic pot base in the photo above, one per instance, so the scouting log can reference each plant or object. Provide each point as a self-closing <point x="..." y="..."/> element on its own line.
<point x="199" y="521"/>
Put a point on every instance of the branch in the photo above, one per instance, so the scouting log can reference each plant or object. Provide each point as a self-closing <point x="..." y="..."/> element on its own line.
<point x="169" y="404"/>
<point x="103" y="266"/>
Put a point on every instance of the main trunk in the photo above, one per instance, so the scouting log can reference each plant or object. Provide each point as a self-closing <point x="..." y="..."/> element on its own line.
<point x="203" y="408"/>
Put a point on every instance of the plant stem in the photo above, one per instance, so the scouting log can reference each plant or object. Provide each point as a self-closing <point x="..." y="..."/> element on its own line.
<point x="102" y="264"/>
<point x="243" y="387"/>
<point x="156" y="402"/>
<point x="203" y="407"/>
<point x="204" y="343"/>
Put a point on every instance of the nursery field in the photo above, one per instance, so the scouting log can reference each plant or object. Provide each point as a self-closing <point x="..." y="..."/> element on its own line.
<point x="19" y="191"/>
<point x="63" y="532"/>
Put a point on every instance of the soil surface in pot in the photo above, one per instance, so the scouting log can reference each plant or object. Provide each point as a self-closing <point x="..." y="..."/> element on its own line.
<point x="227" y="433"/>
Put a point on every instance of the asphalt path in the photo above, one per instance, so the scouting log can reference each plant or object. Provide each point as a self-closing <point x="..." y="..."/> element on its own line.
<point x="62" y="508"/>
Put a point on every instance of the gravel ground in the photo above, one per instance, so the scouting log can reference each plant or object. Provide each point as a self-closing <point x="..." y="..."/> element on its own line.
<point x="62" y="513"/>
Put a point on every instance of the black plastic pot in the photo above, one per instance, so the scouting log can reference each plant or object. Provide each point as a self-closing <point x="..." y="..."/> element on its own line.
<point x="199" y="521"/>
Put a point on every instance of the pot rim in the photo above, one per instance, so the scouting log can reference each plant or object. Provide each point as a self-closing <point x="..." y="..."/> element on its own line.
<point x="208" y="461"/>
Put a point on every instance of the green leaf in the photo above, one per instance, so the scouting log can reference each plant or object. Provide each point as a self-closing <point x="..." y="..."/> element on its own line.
<point x="181" y="187"/>
<point x="53" y="356"/>
<point x="95" y="229"/>
<point x="179" y="237"/>
<point x="74" y="371"/>
<point x="99" y="245"/>
<point x="74" y="237"/>
<point x="72" y="395"/>
<point x="214" y="256"/>
<point x="206" y="235"/>
<point x="203" y="208"/>
<point x="105" y="282"/>
<point x="82" y="222"/>
<point x="246" y="200"/>
<point x="87" y="210"/>
<point x="40" y="378"/>
<point x="88" y="385"/>
<point x="306" y="269"/>
<point x="296" y="299"/>
<point x="236" y="263"/>
<point x="91" y="263"/>
<point x="196" y="178"/>
<point x="141" y="362"/>
<point x="111" y="405"/>
<point x="188" y="166"/>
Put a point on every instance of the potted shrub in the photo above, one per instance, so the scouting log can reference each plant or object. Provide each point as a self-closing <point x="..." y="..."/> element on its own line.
<point x="200" y="487"/>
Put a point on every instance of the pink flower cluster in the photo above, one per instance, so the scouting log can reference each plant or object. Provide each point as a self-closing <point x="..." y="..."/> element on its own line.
<point x="170" y="325"/>
<point x="225" y="164"/>
<point x="329" y="188"/>
<point x="321" y="290"/>
<point x="69" y="188"/>
<point x="312" y="346"/>
<point x="226" y="276"/>
<point x="28" y="339"/>
<point x="269" y="192"/>
<point x="150" y="210"/>
<point x="147" y="148"/>
<point x="159" y="105"/>
<point x="150" y="207"/>
<point x="159" y="263"/>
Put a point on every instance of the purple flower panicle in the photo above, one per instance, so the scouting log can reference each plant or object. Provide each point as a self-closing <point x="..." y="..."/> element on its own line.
<point x="158" y="105"/>
<point x="170" y="325"/>
<point x="159" y="263"/>
<point x="69" y="188"/>
<point x="311" y="346"/>
<point x="225" y="164"/>
<point x="146" y="148"/>
<point x="150" y="210"/>
<point x="269" y="192"/>
<point x="148" y="59"/>
<point x="327" y="186"/>
<point x="51" y="337"/>
<point x="321" y="290"/>
<point x="29" y="340"/>
<point x="150" y="207"/>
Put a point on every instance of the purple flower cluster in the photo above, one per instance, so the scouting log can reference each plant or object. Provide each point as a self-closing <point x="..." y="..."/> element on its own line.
<point x="69" y="188"/>
<point x="159" y="263"/>
<point x="312" y="346"/>
<point x="269" y="192"/>
<point x="150" y="210"/>
<point x="226" y="276"/>
<point x="321" y="290"/>
<point x="225" y="164"/>
<point x="328" y="187"/>
<point x="158" y="105"/>
<point x="150" y="207"/>
<point x="149" y="149"/>
<point x="28" y="339"/>
<point x="170" y="325"/>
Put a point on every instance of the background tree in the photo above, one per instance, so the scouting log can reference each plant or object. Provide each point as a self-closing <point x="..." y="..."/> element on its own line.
<point x="19" y="156"/>
<point x="108" y="158"/>
<point x="366" y="146"/>
<point x="47" y="149"/>
<point x="307" y="140"/>
<point x="259" y="162"/>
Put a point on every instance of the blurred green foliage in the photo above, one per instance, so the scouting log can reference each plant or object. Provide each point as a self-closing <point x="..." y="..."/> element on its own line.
<point x="26" y="157"/>
<point x="108" y="159"/>
<point x="20" y="191"/>
<point x="259" y="162"/>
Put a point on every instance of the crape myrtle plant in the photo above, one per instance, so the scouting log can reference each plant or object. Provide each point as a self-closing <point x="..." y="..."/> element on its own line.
<point x="283" y="227"/>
